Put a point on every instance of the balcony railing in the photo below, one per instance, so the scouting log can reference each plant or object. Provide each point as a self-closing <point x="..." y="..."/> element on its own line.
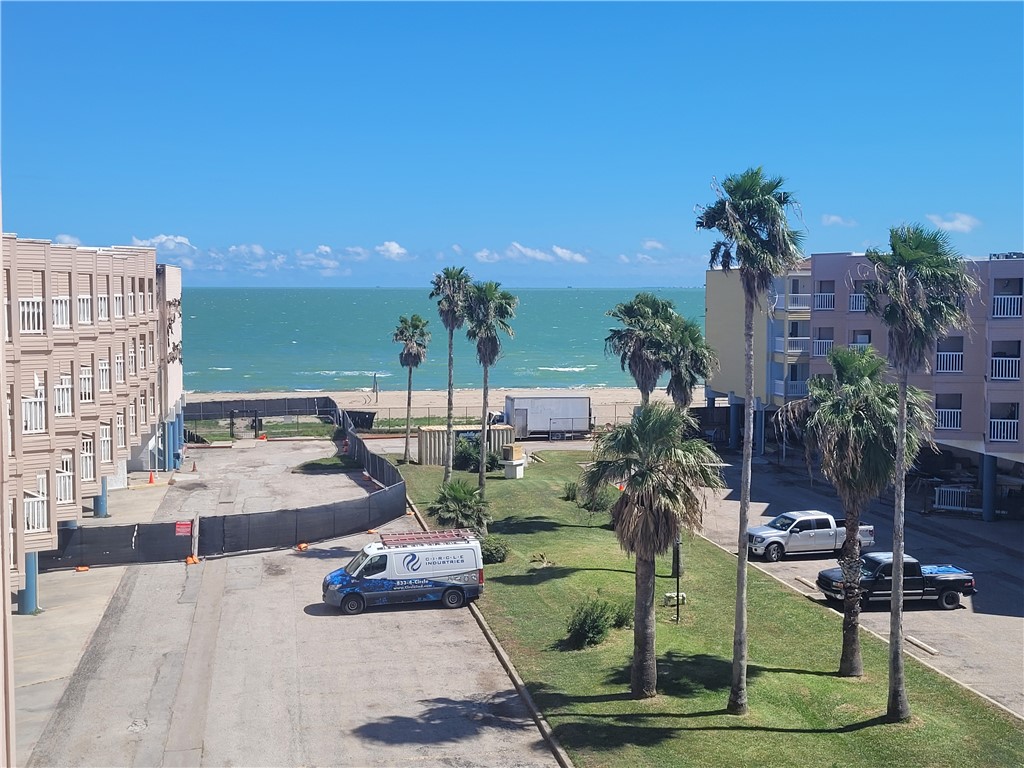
<point x="798" y="301"/>
<point x="948" y="418"/>
<point x="1006" y="306"/>
<point x="33" y="415"/>
<point x="65" y="488"/>
<point x="789" y="388"/>
<point x="861" y="345"/>
<point x="957" y="499"/>
<point x="949" y="362"/>
<point x="824" y="301"/>
<point x="794" y="345"/>
<point x="858" y="302"/>
<point x="61" y="311"/>
<point x="821" y="347"/>
<point x="1003" y="430"/>
<point x="35" y="516"/>
<point x="1005" y="368"/>
<point x="30" y="312"/>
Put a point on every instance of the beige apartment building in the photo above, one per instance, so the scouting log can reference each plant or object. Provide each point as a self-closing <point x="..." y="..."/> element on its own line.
<point x="92" y="384"/>
<point x="975" y="376"/>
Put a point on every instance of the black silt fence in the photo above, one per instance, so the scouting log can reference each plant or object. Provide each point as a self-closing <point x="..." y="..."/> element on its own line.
<point x="277" y="406"/>
<point x="117" y="545"/>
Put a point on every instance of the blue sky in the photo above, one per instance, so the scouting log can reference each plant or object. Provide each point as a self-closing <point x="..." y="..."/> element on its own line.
<point x="371" y="144"/>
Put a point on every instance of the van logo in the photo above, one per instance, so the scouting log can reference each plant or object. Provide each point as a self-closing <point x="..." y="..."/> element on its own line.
<point x="411" y="562"/>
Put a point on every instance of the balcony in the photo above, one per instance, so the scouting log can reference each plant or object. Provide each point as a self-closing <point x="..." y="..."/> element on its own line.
<point x="30" y="312"/>
<point x="1003" y="430"/>
<point x="35" y="515"/>
<point x="793" y="345"/>
<point x="789" y="388"/>
<point x="798" y="301"/>
<point x="949" y="362"/>
<point x="948" y="418"/>
<point x="821" y="347"/>
<point x="1004" y="369"/>
<point x="825" y="301"/>
<point x="1006" y="306"/>
<point x="858" y="302"/>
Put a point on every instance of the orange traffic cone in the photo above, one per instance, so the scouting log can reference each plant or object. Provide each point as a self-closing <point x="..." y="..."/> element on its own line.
<point x="81" y="568"/>
<point x="302" y="546"/>
<point x="151" y="479"/>
<point x="191" y="560"/>
<point x="193" y="466"/>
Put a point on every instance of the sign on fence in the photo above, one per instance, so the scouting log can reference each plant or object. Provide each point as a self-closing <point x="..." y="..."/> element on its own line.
<point x="183" y="528"/>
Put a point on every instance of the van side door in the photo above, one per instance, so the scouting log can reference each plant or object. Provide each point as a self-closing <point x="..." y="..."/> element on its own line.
<point x="372" y="581"/>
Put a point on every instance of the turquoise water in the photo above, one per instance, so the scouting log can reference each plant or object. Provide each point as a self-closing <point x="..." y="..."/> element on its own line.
<point x="324" y="339"/>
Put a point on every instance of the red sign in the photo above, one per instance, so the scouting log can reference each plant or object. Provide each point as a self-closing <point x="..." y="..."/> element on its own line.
<point x="183" y="528"/>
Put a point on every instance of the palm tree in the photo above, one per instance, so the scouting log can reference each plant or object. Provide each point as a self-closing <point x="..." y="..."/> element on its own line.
<point x="451" y="287"/>
<point x="687" y="358"/>
<point x="663" y="476"/>
<point x="489" y="309"/>
<point x="637" y="343"/>
<point x="920" y="289"/>
<point x="850" y="422"/>
<point x="413" y="335"/>
<point x="460" y="505"/>
<point x="750" y="215"/>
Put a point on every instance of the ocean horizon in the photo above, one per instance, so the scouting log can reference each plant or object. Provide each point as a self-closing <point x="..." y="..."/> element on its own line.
<point x="309" y="340"/>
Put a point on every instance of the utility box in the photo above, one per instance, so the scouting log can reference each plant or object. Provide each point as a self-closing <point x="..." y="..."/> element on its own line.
<point x="511" y="452"/>
<point x="554" y="417"/>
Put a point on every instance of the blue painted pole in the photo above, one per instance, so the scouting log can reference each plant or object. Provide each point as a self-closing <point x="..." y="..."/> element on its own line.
<point x="735" y="418"/>
<point x="99" y="503"/>
<point x="180" y="438"/>
<point x="988" y="488"/>
<point x="163" y="450"/>
<point x="28" y="600"/>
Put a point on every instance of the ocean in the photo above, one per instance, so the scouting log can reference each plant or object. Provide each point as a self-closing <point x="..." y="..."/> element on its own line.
<point x="330" y="339"/>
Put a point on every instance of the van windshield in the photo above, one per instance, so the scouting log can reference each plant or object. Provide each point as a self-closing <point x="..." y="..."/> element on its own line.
<point x="782" y="523"/>
<point x="355" y="563"/>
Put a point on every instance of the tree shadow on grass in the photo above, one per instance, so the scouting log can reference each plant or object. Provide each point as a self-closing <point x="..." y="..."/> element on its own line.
<point x="541" y="574"/>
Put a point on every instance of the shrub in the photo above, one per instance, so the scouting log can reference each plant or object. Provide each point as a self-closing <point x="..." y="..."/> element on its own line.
<point x="571" y="490"/>
<point x="465" y="455"/>
<point x="493" y="461"/>
<point x="589" y="623"/>
<point x="622" y="615"/>
<point x="494" y="549"/>
<point x="459" y="505"/>
<point x="599" y="501"/>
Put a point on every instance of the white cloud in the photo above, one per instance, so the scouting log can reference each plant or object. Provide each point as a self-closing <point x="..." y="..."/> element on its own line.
<point x="167" y="245"/>
<point x="355" y="253"/>
<point x="650" y="244"/>
<point x="67" y="240"/>
<point x="623" y="258"/>
<point x="457" y="248"/>
<point x="247" y="250"/>
<point x="566" y="255"/>
<point x="954" y="222"/>
<point x="835" y="220"/>
<point x="324" y="250"/>
<point x="486" y="256"/>
<point x="643" y="258"/>
<point x="516" y="251"/>
<point x="392" y="251"/>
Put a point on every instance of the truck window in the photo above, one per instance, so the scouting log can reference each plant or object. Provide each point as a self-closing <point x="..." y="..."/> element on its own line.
<point x="377" y="564"/>
<point x="802" y="525"/>
<point x="781" y="523"/>
<point x="823" y="524"/>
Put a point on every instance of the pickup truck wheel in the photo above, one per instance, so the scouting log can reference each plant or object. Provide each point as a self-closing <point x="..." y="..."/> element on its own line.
<point x="352" y="604"/>
<point x="949" y="599"/>
<point x="453" y="598"/>
<point x="773" y="553"/>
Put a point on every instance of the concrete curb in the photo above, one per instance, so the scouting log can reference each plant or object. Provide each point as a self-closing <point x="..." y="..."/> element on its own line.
<point x="538" y="717"/>
<point x="924" y="662"/>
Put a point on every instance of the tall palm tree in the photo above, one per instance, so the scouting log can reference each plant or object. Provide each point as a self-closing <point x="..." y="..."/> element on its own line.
<point x="451" y="287"/>
<point x="644" y="320"/>
<point x="413" y="335"/>
<point x="489" y="308"/>
<point x="920" y="289"/>
<point x="850" y="421"/>
<point x="750" y="215"/>
<point x="663" y="476"/>
<point x="688" y="359"/>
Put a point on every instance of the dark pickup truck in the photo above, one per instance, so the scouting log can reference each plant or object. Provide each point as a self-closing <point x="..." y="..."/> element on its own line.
<point x="944" y="583"/>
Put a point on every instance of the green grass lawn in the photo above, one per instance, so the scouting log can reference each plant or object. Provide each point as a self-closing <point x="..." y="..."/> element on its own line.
<point x="801" y="714"/>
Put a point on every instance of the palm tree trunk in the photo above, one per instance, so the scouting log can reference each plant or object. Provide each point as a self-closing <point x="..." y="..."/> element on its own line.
<point x="898" y="707"/>
<point x="645" y="397"/>
<point x="850" y="663"/>
<point x="738" y="694"/>
<point x="449" y="442"/>
<point x="643" y="682"/>
<point x="408" y="416"/>
<point x="483" y="436"/>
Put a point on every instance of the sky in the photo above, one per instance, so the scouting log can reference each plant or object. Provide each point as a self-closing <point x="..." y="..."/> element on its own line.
<point x="537" y="144"/>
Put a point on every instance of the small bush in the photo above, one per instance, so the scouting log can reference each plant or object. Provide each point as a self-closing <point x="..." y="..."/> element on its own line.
<point x="599" y="501"/>
<point x="494" y="549"/>
<point x="589" y="623"/>
<point x="493" y="461"/>
<point x="571" y="490"/>
<point x="622" y="615"/>
<point x="465" y="455"/>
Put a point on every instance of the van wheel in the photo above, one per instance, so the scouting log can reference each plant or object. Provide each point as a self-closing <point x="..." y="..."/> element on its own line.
<point x="773" y="553"/>
<point x="949" y="599"/>
<point x="352" y="604"/>
<point x="453" y="598"/>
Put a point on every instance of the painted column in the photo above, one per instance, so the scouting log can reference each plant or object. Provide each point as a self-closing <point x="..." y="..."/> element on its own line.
<point x="162" y="448"/>
<point x="28" y="602"/>
<point x="988" y="488"/>
<point x="180" y="438"/>
<point x="735" y="420"/>
<point x="99" y="503"/>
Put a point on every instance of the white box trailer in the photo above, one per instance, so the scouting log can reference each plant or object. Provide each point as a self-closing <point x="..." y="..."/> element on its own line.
<point x="557" y="417"/>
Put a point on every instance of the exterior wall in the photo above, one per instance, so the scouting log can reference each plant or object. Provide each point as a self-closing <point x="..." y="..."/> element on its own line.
<point x="75" y="318"/>
<point x="723" y="321"/>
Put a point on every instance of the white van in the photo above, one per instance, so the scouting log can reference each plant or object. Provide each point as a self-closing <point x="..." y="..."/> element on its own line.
<point x="409" y="568"/>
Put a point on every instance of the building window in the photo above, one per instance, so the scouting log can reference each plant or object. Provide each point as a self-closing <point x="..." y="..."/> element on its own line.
<point x="118" y="305"/>
<point x="106" y="445"/>
<point x="152" y="403"/>
<point x="149" y="351"/>
<point x="88" y="458"/>
<point x="131" y="359"/>
<point x="62" y="397"/>
<point x="142" y="353"/>
<point x="121" y="440"/>
<point x="66" y="480"/>
<point x="85" y="394"/>
<point x="33" y="413"/>
<point x="103" y="307"/>
<point x="30" y="312"/>
<point x="119" y="368"/>
<point x="133" y="420"/>
<point x="131" y="304"/>
<point x="143" y="413"/>
<point x="36" y="507"/>
<point x="61" y="311"/>
<point x="104" y="374"/>
<point x="85" y="309"/>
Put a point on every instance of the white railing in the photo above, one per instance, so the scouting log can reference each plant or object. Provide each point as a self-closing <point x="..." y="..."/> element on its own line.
<point x="118" y="305"/>
<point x="31" y="314"/>
<point x="33" y="415"/>
<point x="85" y="310"/>
<point x="955" y="499"/>
<point x="65" y="488"/>
<point x="1006" y="306"/>
<point x="859" y="345"/>
<point x="61" y="311"/>
<point x="1003" y="430"/>
<point x="858" y="302"/>
<point x="88" y="460"/>
<point x="949" y="362"/>
<point x="783" y="388"/>
<point x="149" y="354"/>
<point x="821" y="347"/>
<point x="103" y="307"/>
<point x="798" y="301"/>
<point x="149" y="301"/>
<point x="62" y="398"/>
<point x="1005" y="368"/>
<point x="824" y="301"/>
<point x="948" y="418"/>
<point x="104" y="375"/>
<point x="36" y="519"/>
<point x="779" y="388"/>
<point x="799" y="345"/>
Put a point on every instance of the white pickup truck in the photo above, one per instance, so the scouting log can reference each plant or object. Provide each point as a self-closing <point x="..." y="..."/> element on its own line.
<point x="803" y="532"/>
